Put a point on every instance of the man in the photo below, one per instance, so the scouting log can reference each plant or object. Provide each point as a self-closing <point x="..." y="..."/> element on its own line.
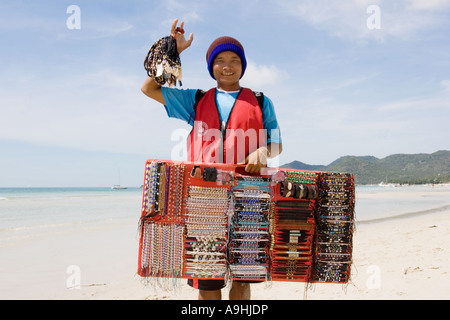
<point x="230" y="125"/>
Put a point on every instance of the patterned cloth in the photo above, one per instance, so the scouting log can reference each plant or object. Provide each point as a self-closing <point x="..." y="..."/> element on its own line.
<point x="163" y="62"/>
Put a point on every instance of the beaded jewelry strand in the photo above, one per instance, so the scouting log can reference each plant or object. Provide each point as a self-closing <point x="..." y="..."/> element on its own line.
<point x="206" y="225"/>
<point x="249" y="230"/>
<point x="334" y="228"/>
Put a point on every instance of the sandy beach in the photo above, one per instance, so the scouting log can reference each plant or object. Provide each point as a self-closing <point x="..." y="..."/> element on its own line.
<point x="407" y="257"/>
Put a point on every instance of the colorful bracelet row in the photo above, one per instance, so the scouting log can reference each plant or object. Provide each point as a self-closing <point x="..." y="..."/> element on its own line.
<point x="162" y="250"/>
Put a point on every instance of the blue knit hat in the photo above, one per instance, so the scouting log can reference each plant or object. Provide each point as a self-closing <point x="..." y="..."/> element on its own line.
<point x="225" y="44"/>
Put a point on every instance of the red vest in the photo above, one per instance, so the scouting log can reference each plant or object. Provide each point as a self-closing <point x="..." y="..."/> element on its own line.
<point x="244" y="132"/>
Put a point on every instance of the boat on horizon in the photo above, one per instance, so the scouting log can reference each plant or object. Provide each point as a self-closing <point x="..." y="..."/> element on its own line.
<point x="118" y="187"/>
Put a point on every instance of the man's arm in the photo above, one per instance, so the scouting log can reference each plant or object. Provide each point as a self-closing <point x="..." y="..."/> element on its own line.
<point x="153" y="90"/>
<point x="150" y="88"/>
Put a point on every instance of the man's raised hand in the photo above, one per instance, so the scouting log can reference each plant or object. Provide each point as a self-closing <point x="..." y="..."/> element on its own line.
<point x="178" y="34"/>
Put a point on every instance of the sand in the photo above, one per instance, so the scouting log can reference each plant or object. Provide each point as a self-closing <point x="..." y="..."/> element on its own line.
<point x="403" y="258"/>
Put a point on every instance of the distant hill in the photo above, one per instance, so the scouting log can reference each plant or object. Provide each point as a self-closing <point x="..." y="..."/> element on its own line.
<point x="397" y="168"/>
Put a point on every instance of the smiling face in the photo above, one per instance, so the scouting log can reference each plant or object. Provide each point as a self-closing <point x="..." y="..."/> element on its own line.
<point x="227" y="69"/>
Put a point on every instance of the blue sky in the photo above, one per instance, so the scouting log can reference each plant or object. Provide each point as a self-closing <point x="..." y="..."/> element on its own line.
<point x="72" y="113"/>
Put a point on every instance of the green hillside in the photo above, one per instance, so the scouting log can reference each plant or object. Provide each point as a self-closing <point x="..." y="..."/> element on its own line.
<point x="397" y="168"/>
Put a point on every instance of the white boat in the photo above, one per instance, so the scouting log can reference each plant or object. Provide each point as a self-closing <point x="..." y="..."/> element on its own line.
<point x="118" y="187"/>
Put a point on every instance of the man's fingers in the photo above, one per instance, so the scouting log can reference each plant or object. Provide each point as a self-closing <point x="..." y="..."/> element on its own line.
<point x="253" y="168"/>
<point x="174" y="27"/>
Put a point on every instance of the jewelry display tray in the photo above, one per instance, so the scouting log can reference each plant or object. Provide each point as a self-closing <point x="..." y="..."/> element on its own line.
<point x="215" y="221"/>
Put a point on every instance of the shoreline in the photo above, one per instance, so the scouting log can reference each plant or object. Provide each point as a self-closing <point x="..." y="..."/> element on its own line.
<point x="405" y="215"/>
<point x="406" y="256"/>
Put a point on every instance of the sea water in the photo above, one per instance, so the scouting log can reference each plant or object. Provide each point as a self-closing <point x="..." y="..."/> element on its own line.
<point x="374" y="202"/>
<point x="47" y="209"/>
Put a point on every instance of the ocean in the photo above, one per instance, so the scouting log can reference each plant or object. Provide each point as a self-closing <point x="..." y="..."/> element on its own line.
<point x="25" y="211"/>
<point x="46" y="210"/>
<point x="374" y="202"/>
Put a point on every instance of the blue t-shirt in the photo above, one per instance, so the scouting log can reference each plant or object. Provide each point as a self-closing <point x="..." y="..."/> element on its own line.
<point x="180" y="104"/>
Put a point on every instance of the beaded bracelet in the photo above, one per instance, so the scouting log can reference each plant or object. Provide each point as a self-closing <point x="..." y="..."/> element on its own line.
<point x="150" y="187"/>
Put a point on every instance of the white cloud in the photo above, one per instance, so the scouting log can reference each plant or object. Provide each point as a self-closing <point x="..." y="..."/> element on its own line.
<point x="348" y="19"/>
<point x="109" y="78"/>
<point x="343" y="84"/>
<point x="430" y="104"/>
<point x="433" y="5"/>
<point x="446" y="85"/>
<point x="94" y="30"/>
<point x="51" y="21"/>
<point x="329" y="125"/>
<point x="103" y="110"/>
<point x="260" y="76"/>
<point x="183" y="10"/>
<point x="340" y="18"/>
